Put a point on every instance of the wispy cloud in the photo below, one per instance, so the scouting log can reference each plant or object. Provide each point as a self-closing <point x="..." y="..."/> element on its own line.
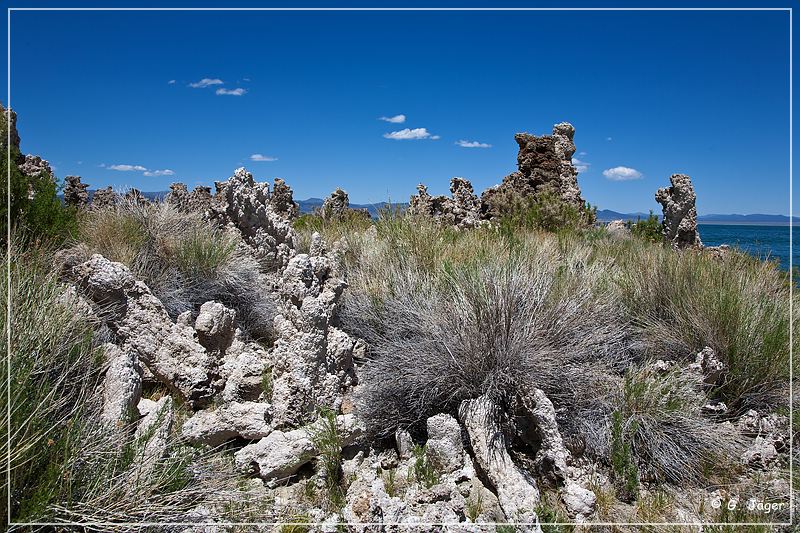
<point x="171" y="82"/>
<point x="609" y="139"/>
<point x="472" y="144"/>
<point x="127" y="168"/>
<point x="409" y="134"/>
<point x="260" y="157"/>
<point x="581" y="166"/>
<point x="397" y="119"/>
<point x="206" y="82"/>
<point x="622" y="174"/>
<point x="231" y="92"/>
<point x="165" y="172"/>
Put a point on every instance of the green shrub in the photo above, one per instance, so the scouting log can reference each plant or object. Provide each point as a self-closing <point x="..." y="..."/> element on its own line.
<point x="34" y="207"/>
<point x="623" y="465"/>
<point x="545" y="211"/>
<point x="650" y="229"/>
<point x="326" y="438"/>
<point x="423" y="471"/>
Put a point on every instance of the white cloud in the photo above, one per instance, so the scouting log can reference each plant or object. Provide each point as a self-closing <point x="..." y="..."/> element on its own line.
<point x="127" y="168"/>
<point x="171" y="82"/>
<point x="472" y="144"/>
<point x="231" y="92"/>
<point x="582" y="153"/>
<point x="408" y="134"/>
<point x="622" y="174"/>
<point x="397" y="119"/>
<point x="206" y="82"/>
<point x="581" y="166"/>
<point x="609" y="139"/>
<point x="259" y="157"/>
<point x="165" y="172"/>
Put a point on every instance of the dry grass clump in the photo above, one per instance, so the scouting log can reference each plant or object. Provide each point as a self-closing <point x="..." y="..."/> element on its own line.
<point x="497" y="324"/>
<point x="184" y="259"/>
<point x="450" y="315"/>
<point x="682" y="302"/>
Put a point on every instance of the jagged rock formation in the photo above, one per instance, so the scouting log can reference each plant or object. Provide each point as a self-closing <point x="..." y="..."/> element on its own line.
<point x="462" y="210"/>
<point x="178" y="196"/>
<point x="312" y="361"/>
<point x="104" y="198"/>
<point x="282" y="200"/>
<point x="34" y="166"/>
<point x="245" y="205"/>
<point x="248" y="420"/>
<point x="135" y="196"/>
<point x="170" y="351"/>
<point x="75" y="192"/>
<point x="680" y="214"/>
<point x="9" y="124"/>
<point x="544" y="166"/>
<point x="337" y="206"/>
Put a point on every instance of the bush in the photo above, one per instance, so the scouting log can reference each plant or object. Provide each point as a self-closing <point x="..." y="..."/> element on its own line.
<point x="35" y="209"/>
<point x="496" y="325"/>
<point x="650" y="230"/>
<point x="325" y="436"/>
<point x="546" y="211"/>
<point x="185" y="260"/>
<point x="659" y="425"/>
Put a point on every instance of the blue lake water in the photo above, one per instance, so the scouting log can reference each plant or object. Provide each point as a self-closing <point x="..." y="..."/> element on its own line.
<point x="761" y="241"/>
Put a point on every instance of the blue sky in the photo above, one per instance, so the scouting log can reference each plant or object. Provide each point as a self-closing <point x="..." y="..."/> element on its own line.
<point x="702" y="93"/>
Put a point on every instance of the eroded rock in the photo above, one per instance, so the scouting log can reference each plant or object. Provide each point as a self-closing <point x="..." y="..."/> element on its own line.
<point x="680" y="214"/>
<point x="444" y="447"/>
<point x="461" y="210"/>
<point x="215" y="326"/>
<point x="104" y="198"/>
<point x="248" y="420"/>
<point x="171" y="351"/>
<point x="516" y="489"/>
<point x="122" y="387"/>
<point x="245" y="205"/>
<point x="75" y="193"/>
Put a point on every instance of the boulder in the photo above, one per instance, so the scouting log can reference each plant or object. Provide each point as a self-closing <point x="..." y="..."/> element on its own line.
<point x="248" y="420"/>
<point x="281" y="453"/>
<point x="618" y="230"/>
<point x="215" y="326"/>
<point x="552" y="455"/>
<point x="680" y="215"/>
<point x="444" y="448"/>
<point x="580" y="502"/>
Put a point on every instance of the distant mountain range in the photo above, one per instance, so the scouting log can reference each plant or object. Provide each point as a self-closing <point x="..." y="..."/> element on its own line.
<point x="756" y="218"/>
<point x="605" y="215"/>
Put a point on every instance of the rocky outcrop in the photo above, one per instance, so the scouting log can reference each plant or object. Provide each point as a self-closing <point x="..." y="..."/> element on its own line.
<point x="154" y="433"/>
<point x="618" y="230"/>
<point x="247" y="420"/>
<point x="337" y="206"/>
<point x="245" y="205"/>
<point x="200" y="199"/>
<point x="9" y="130"/>
<point x="516" y="490"/>
<point x="35" y="166"/>
<point x="309" y="370"/>
<point x="281" y="453"/>
<point x="769" y="436"/>
<point x="104" y="198"/>
<point x="282" y="200"/>
<point x="246" y="370"/>
<point x="178" y="196"/>
<point x="461" y="210"/>
<point x="544" y="166"/>
<point x="444" y="448"/>
<point x="680" y="213"/>
<point x="552" y="455"/>
<point x="122" y="387"/>
<point x="170" y="351"/>
<point x="75" y="193"/>
<point x="135" y="197"/>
